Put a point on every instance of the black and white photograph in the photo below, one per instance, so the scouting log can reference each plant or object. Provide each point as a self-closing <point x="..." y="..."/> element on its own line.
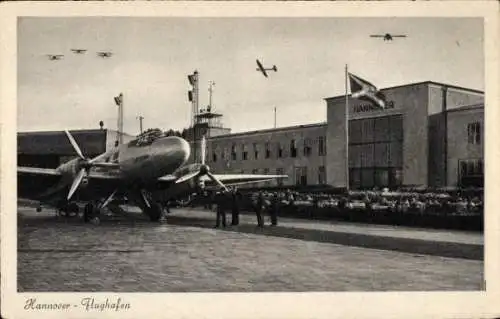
<point x="246" y="153"/>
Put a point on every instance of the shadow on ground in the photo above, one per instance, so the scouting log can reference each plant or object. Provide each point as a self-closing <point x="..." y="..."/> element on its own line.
<point x="408" y="245"/>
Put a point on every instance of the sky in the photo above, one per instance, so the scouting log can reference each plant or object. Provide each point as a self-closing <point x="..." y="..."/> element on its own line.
<point x="153" y="56"/>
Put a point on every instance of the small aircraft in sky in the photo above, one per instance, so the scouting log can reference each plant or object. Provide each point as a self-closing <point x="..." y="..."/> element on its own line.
<point x="104" y="54"/>
<point x="54" y="57"/>
<point x="149" y="171"/>
<point x="263" y="70"/>
<point x="388" y="36"/>
<point x="79" y="51"/>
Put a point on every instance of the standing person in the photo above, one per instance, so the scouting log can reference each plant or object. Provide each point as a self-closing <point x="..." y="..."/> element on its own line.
<point x="235" y="217"/>
<point x="221" y="209"/>
<point x="273" y="210"/>
<point x="259" y="207"/>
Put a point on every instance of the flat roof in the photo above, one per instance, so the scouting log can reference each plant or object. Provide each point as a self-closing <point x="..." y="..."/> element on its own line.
<point x="81" y="131"/>
<point x="278" y="129"/>
<point x="414" y="84"/>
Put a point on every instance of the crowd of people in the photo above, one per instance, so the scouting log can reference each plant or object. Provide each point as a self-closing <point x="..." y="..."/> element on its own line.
<point x="312" y="205"/>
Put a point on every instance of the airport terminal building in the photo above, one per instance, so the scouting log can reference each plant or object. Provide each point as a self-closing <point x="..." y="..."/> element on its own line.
<point x="430" y="134"/>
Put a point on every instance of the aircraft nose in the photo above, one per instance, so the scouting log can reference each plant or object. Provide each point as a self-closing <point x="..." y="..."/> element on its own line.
<point x="175" y="149"/>
<point x="184" y="149"/>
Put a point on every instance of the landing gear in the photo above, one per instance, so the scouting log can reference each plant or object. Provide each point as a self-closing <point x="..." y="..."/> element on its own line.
<point x="66" y="209"/>
<point x="91" y="213"/>
<point x="149" y="206"/>
<point x="155" y="212"/>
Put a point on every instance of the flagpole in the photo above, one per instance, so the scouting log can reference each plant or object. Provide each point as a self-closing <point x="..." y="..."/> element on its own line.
<point x="346" y="128"/>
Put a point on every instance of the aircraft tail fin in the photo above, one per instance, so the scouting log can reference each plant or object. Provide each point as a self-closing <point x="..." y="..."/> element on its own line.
<point x="275" y="68"/>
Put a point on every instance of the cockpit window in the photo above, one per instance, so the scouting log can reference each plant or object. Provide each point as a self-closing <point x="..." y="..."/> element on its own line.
<point x="147" y="137"/>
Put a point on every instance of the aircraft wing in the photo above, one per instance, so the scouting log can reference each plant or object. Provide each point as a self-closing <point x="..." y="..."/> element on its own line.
<point x="240" y="179"/>
<point x="261" y="68"/>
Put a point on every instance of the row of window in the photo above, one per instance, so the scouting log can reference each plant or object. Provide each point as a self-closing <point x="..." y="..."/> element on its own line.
<point x="278" y="152"/>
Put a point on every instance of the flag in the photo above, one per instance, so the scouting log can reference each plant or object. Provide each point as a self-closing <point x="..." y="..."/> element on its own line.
<point x="364" y="90"/>
<point x="118" y="99"/>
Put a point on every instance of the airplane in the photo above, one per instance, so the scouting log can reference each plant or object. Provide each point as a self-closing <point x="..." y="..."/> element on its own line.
<point x="79" y="51"/>
<point x="104" y="54"/>
<point x="263" y="70"/>
<point x="388" y="36"/>
<point x="54" y="57"/>
<point x="149" y="171"/>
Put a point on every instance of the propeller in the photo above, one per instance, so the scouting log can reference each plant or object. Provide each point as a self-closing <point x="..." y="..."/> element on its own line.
<point x="203" y="169"/>
<point x="84" y="164"/>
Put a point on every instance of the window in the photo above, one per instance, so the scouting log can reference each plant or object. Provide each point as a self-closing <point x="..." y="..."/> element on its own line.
<point x="255" y="151"/>
<point x="214" y="157"/>
<point x="279" y="150"/>
<point x="471" y="172"/>
<point x="301" y="176"/>
<point x="321" y="175"/>
<point x="471" y="167"/>
<point x="224" y="154"/>
<point x="474" y="133"/>
<point x="268" y="150"/>
<point x="244" y="154"/>
<point x="293" y="149"/>
<point x="307" y="147"/>
<point x="321" y="146"/>
<point x="255" y="171"/>
<point x="233" y="152"/>
<point x="280" y="171"/>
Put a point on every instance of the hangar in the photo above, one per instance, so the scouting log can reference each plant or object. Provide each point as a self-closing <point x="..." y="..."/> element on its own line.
<point x="49" y="149"/>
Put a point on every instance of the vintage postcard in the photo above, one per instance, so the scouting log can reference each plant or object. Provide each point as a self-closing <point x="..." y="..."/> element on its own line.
<point x="249" y="159"/>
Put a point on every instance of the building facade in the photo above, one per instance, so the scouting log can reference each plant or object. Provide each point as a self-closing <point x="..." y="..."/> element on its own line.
<point x="421" y="138"/>
<point x="430" y="134"/>
<point x="298" y="151"/>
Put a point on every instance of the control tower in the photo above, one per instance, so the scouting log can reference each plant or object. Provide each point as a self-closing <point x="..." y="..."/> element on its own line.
<point x="206" y="123"/>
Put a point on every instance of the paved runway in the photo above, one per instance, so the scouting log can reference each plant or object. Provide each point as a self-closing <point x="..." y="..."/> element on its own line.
<point x="134" y="255"/>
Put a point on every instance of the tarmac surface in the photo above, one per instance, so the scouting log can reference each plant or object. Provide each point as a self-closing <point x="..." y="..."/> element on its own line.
<point x="186" y="254"/>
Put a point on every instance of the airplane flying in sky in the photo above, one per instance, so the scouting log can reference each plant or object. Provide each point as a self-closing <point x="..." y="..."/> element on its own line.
<point x="54" y="57"/>
<point x="263" y="70"/>
<point x="79" y="51"/>
<point x="149" y="171"/>
<point x="104" y="54"/>
<point x="388" y="36"/>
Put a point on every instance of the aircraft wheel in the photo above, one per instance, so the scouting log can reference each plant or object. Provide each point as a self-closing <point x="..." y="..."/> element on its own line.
<point x="95" y="220"/>
<point x="88" y="212"/>
<point x="155" y="212"/>
<point x="72" y="210"/>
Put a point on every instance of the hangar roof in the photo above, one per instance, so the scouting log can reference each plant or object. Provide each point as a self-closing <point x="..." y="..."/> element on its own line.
<point x="91" y="142"/>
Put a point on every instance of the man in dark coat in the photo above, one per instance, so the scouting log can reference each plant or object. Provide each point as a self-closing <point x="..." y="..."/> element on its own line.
<point x="273" y="210"/>
<point x="221" y="209"/>
<point x="259" y="207"/>
<point x="235" y="203"/>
